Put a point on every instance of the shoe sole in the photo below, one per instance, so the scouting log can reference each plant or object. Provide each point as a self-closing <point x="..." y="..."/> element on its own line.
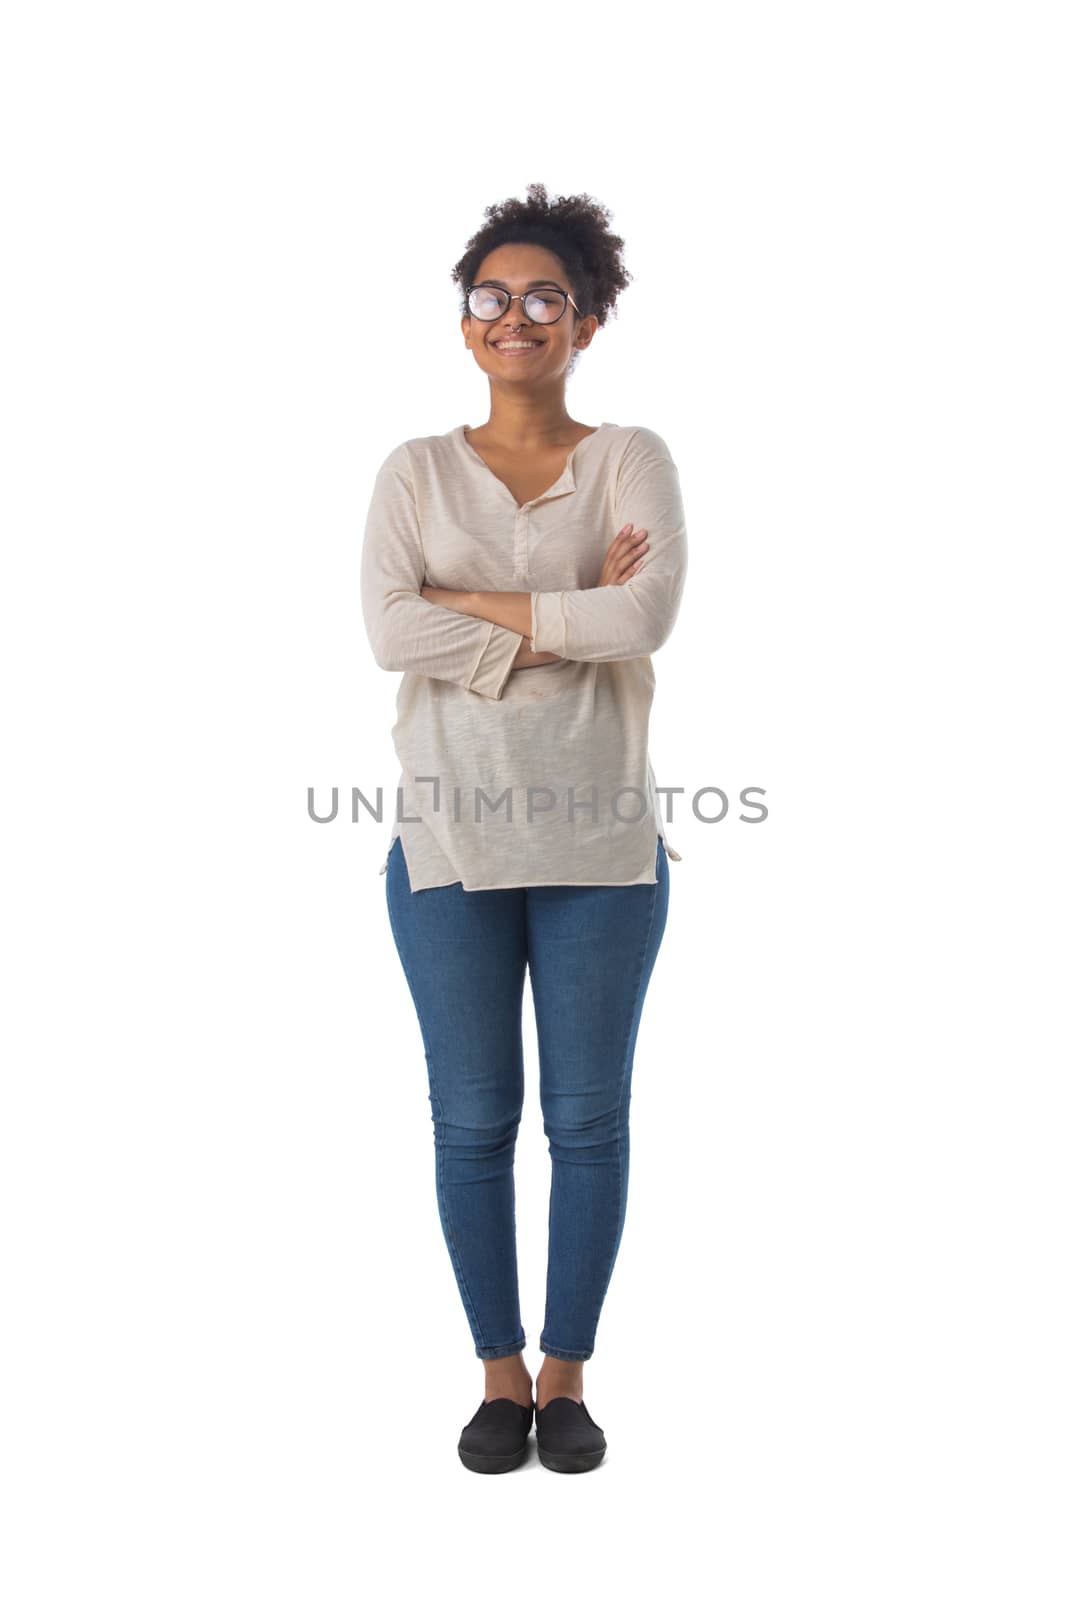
<point x="571" y="1461"/>
<point x="478" y="1463"/>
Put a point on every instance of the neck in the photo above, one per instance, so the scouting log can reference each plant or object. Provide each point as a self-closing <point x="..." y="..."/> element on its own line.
<point x="527" y="421"/>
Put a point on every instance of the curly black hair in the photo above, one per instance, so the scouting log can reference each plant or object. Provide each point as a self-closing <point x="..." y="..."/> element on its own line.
<point x="574" y="226"/>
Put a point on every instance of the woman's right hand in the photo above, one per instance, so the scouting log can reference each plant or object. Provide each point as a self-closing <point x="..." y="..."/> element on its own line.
<point x="625" y="556"/>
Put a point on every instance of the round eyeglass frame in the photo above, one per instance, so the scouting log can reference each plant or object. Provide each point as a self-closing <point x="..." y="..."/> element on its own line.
<point x="522" y="298"/>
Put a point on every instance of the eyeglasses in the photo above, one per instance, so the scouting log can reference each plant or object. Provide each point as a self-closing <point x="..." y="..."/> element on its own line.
<point x="486" y="302"/>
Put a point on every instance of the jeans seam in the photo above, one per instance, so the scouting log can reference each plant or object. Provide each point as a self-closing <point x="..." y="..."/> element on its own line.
<point x="442" y="1187"/>
<point x="630" y="1040"/>
<point x="630" y="1046"/>
<point x="454" y="1250"/>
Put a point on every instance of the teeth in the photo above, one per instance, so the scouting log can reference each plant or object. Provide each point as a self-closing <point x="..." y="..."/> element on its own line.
<point x="517" y="344"/>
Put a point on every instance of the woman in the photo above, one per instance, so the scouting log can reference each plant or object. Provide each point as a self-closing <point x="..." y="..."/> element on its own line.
<point x="496" y="576"/>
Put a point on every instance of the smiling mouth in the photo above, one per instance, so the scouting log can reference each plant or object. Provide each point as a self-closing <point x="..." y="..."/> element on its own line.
<point x="507" y="348"/>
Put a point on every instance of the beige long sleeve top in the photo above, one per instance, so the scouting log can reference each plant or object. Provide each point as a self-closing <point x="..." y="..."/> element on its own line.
<point x="540" y="776"/>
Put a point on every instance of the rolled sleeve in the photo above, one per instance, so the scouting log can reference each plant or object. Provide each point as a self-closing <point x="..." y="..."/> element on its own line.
<point x="494" y="664"/>
<point x="546" y="612"/>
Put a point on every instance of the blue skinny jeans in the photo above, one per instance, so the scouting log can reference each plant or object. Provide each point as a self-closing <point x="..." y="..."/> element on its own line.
<point x="590" y="950"/>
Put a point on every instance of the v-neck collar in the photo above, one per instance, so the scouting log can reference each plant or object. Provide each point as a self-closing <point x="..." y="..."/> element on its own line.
<point x="564" y="484"/>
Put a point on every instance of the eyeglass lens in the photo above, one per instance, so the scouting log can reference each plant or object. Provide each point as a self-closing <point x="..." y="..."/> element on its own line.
<point x="542" y="305"/>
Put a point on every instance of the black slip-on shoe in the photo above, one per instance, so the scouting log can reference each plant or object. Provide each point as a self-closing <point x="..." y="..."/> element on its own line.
<point x="568" y="1440"/>
<point x="494" y="1439"/>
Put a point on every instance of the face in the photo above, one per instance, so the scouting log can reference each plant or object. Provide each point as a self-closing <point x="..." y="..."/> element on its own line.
<point x="518" y="267"/>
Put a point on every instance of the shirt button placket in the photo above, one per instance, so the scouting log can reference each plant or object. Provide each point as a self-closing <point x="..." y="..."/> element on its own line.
<point x="522" y="544"/>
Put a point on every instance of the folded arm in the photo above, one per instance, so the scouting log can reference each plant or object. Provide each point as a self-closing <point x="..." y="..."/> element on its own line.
<point x="617" y="622"/>
<point x="621" y="621"/>
<point x="406" y="631"/>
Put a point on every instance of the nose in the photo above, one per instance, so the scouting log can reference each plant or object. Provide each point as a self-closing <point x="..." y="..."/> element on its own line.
<point x="514" y="317"/>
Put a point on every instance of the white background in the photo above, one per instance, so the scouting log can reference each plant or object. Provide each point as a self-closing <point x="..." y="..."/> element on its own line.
<point x="235" y="1362"/>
